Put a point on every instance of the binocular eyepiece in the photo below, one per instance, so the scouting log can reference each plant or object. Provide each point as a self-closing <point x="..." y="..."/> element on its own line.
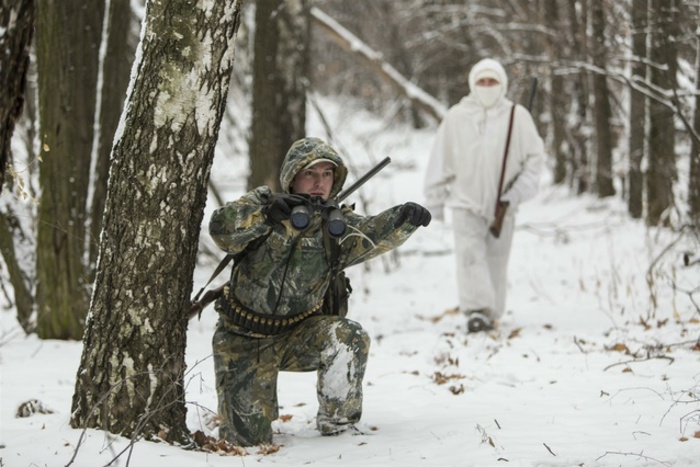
<point x="335" y="221"/>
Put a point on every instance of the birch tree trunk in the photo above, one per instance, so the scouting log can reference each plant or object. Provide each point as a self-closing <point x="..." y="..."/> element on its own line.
<point x="131" y="375"/>
<point x="116" y="66"/>
<point x="280" y="82"/>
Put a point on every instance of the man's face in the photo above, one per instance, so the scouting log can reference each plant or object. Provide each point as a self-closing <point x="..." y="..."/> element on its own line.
<point x="487" y="82"/>
<point x="316" y="180"/>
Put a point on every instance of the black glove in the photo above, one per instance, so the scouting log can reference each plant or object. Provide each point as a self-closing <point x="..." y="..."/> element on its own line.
<point x="414" y="214"/>
<point x="281" y="206"/>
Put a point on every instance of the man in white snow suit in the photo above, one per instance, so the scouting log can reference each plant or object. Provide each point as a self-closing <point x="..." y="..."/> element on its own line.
<point x="464" y="174"/>
<point x="274" y="314"/>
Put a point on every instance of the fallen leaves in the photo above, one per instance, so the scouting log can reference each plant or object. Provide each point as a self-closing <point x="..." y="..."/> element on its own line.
<point x="440" y="378"/>
<point x="220" y="446"/>
<point x="620" y="347"/>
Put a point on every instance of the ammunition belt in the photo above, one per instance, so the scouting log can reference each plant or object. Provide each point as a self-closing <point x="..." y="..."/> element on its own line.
<point x="260" y="323"/>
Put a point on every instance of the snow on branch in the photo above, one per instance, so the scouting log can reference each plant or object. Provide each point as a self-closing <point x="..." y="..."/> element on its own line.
<point x="374" y="60"/>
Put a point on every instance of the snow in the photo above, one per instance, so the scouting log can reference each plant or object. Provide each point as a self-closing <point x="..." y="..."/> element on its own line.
<point x="597" y="361"/>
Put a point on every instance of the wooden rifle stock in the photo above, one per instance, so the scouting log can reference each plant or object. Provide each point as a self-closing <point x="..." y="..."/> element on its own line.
<point x="209" y="296"/>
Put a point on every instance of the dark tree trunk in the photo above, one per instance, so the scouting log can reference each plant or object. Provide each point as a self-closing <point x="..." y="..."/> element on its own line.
<point x="638" y="104"/>
<point x="131" y="375"/>
<point x="17" y="23"/>
<point x="662" y="159"/>
<point x="580" y="171"/>
<point x="68" y="35"/>
<point x="280" y="81"/>
<point x="694" y="181"/>
<point x="558" y="100"/>
<point x="604" y="139"/>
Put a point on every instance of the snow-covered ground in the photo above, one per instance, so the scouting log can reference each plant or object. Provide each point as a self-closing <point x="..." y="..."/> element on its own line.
<point x="596" y="363"/>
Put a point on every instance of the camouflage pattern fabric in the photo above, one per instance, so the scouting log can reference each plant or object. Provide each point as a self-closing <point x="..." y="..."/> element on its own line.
<point x="285" y="275"/>
<point x="246" y="376"/>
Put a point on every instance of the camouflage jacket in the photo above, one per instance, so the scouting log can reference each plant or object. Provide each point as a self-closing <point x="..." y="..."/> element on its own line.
<point x="289" y="273"/>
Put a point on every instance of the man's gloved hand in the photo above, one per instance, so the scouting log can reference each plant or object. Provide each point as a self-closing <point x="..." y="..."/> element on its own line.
<point x="414" y="214"/>
<point x="280" y="208"/>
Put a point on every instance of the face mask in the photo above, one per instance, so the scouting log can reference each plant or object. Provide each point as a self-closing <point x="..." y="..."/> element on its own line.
<point x="488" y="95"/>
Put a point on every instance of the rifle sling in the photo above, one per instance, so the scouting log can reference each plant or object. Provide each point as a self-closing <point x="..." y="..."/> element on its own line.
<point x="505" y="159"/>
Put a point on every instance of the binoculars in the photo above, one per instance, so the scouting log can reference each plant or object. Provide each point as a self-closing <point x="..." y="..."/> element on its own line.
<point x="335" y="221"/>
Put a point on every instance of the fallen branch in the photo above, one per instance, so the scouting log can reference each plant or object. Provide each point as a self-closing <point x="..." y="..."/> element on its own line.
<point x="636" y="360"/>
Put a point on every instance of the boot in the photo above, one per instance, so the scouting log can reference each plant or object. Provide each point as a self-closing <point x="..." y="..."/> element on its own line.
<point x="478" y="321"/>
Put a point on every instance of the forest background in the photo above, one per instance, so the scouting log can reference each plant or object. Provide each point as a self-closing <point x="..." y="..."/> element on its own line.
<point x="97" y="189"/>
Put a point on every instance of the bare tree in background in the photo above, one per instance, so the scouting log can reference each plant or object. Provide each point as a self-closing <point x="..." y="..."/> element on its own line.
<point x="663" y="54"/>
<point x="17" y="21"/>
<point x="280" y="82"/>
<point x="604" y="140"/>
<point x="131" y="375"/>
<point x="17" y="24"/>
<point x="558" y="101"/>
<point x="68" y="37"/>
<point x="638" y="102"/>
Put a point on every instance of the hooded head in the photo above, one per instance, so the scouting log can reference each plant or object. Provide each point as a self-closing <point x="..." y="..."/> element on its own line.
<point x="307" y="152"/>
<point x="488" y="96"/>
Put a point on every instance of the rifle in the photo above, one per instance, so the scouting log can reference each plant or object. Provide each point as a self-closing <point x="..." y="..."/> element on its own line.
<point x="199" y="304"/>
<point x="502" y="206"/>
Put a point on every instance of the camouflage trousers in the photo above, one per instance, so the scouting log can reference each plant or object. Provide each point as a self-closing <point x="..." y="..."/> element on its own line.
<point x="247" y="368"/>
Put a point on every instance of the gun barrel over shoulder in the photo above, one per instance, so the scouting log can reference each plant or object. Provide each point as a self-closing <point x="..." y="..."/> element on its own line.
<point x="362" y="180"/>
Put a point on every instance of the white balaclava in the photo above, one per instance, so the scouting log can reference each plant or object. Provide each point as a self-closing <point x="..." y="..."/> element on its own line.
<point x="488" y="96"/>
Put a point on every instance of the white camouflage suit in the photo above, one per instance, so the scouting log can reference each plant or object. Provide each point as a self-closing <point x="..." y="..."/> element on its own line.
<point x="463" y="174"/>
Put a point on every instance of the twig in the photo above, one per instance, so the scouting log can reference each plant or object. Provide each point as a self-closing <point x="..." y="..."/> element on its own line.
<point x="548" y="449"/>
<point x="640" y="455"/>
<point x="661" y="357"/>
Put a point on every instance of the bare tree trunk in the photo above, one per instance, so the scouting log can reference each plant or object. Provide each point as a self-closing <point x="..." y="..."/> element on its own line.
<point x="638" y="102"/>
<point x="558" y="100"/>
<point x="280" y="81"/>
<point x="577" y="21"/>
<point x="604" y="143"/>
<point x="662" y="158"/>
<point x="694" y="181"/>
<point x="68" y="35"/>
<point x="131" y="375"/>
<point x="23" y="298"/>
<point x="116" y="66"/>
<point x="17" y="24"/>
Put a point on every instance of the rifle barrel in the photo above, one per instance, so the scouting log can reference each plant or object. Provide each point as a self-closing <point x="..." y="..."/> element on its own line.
<point x="361" y="181"/>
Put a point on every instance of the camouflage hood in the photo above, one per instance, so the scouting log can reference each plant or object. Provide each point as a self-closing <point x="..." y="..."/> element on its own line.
<point x="305" y="151"/>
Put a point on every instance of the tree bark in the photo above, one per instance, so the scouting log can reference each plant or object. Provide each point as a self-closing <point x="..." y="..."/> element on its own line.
<point x="604" y="142"/>
<point x="131" y="375"/>
<point x="694" y="177"/>
<point x="17" y="22"/>
<point x="68" y="35"/>
<point x="280" y="81"/>
<point x="116" y="66"/>
<point x="662" y="158"/>
<point x="558" y="100"/>
<point x="578" y="13"/>
<point x="638" y="114"/>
